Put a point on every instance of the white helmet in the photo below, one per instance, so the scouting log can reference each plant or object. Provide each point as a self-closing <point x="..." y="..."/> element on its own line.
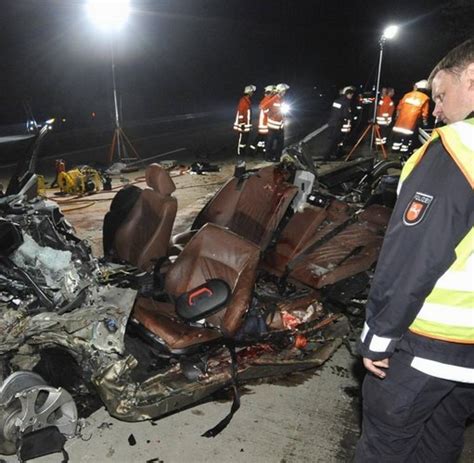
<point x="269" y="88"/>
<point x="249" y="89"/>
<point x="282" y="88"/>
<point x="422" y="85"/>
<point x="348" y="89"/>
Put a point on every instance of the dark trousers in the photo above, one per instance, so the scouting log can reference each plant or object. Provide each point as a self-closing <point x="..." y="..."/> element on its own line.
<point x="261" y="142"/>
<point x="335" y="139"/>
<point x="384" y="133"/>
<point x="402" y="143"/>
<point x="412" y="417"/>
<point x="275" y="143"/>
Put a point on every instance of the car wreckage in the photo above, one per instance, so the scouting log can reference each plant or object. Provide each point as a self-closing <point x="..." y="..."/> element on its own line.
<point x="256" y="288"/>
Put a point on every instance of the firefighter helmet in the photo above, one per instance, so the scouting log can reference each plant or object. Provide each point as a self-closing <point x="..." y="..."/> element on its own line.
<point x="249" y="89"/>
<point x="348" y="90"/>
<point x="422" y="85"/>
<point x="282" y="88"/>
<point x="269" y="88"/>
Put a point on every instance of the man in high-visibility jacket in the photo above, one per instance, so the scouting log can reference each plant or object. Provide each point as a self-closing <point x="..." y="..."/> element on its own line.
<point x="384" y="114"/>
<point x="418" y="339"/>
<point x="263" y="118"/>
<point x="413" y="106"/>
<point x="276" y="123"/>
<point x="243" y="126"/>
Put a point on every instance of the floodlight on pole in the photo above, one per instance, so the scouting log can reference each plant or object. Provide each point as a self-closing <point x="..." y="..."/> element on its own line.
<point x="110" y="16"/>
<point x="389" y="33"/>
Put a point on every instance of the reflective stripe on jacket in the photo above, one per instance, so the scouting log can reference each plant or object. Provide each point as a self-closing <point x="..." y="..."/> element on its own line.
<point x="340" y="116"/>
<point x="275" y="117"/>
<point x="385" y="110"/>
<point x="263" y="115"/>
<point x="411" y="107"/>
<point x="243" y="118"/>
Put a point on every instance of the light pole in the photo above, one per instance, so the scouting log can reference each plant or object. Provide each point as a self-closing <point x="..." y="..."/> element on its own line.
<point x="111" y="16"/>
<point x="389" y="33"/>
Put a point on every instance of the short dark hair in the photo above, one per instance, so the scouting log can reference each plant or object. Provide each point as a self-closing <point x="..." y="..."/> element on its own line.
<point x="456" y="60"/>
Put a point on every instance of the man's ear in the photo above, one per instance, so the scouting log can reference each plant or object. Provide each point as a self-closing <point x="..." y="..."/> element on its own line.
<point x="470" y="76"/>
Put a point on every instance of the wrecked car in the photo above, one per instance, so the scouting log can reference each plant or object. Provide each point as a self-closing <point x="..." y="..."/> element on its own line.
<point x="255" y="288"/>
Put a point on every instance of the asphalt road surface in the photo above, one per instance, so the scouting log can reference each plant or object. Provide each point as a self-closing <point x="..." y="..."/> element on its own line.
<point x="206" y="136"/>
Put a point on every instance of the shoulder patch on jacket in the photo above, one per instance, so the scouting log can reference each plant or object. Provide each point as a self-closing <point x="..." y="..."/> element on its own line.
<point x="417" y="208"/>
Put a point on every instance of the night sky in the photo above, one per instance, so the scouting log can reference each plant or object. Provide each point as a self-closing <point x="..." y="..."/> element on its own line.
<point x="180" y="56"/>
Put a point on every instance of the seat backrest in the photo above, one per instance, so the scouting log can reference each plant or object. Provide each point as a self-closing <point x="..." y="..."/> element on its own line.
<point x="353" y="249"/>
<point x="144" y="235"/>
<point x="215" y="252"/>
<point x="252" y="207"/>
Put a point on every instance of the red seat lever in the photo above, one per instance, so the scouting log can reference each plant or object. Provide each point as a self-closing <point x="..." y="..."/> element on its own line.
<point x="198" y="293"/>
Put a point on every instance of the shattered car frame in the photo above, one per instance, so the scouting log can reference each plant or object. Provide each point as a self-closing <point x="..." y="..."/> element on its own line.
<point x="110" y="329"/>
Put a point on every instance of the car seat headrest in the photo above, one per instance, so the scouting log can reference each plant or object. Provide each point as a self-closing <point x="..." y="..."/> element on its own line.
<point x="159" y="179"/>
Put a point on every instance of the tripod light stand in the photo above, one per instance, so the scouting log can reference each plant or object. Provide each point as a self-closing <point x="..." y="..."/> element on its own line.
<point x="111" y="15"/>
<point x="120" y="142"/>
<point x="389" y="33"/>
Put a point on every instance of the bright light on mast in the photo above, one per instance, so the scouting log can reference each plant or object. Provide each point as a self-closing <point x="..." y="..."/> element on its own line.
<point x="390" y="32"/>
<point x="108" y="14"/>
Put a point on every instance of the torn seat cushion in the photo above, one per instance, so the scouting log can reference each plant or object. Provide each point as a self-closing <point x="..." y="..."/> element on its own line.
<point x="353" y="250"/>
<point x="160" y="319"/>
<point x="302" y="231"/>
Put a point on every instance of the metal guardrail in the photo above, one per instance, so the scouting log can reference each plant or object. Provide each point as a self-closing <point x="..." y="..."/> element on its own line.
<point x="424" y="135"/>
<point x="315" y="133"/>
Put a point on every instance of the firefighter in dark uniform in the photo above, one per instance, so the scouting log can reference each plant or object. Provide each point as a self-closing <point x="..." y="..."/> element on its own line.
<point x="339" y="124"/>
<point x="418" y="339"/>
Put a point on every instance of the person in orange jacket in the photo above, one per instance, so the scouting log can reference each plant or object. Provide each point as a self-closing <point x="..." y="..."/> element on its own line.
<point x="412" y="106"/>
<point x="243" y="127"/>
<point x="385" y="112"/>
<point x="276" y="123"/>
<point x="263" y="118"/>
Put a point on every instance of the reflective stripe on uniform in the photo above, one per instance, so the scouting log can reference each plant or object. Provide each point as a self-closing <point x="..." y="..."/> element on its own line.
<point x="402" y="130"/>
<point x="346" y="127"/>
<point x="443" y="370"/>
<point x="462" y="153"/>
<point x="435" y="313"/>
<point x="262" y="125"/>
<point x="414" y="101"/>
<point x="377" y="343"/>
<point x="462" y="150"/>
<point x="273" y="124"/>
<point x="337" y="105"/>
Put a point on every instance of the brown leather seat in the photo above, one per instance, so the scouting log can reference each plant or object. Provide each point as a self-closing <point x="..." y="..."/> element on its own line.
<point x="253" y="207"/>
<point x="145" y="234"/>
<point x="353" y="249"/>
<point x="213" y="252"/>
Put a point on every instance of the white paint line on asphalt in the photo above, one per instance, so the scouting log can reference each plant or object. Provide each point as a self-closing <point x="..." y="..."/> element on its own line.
<point x="177" y="150"/>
